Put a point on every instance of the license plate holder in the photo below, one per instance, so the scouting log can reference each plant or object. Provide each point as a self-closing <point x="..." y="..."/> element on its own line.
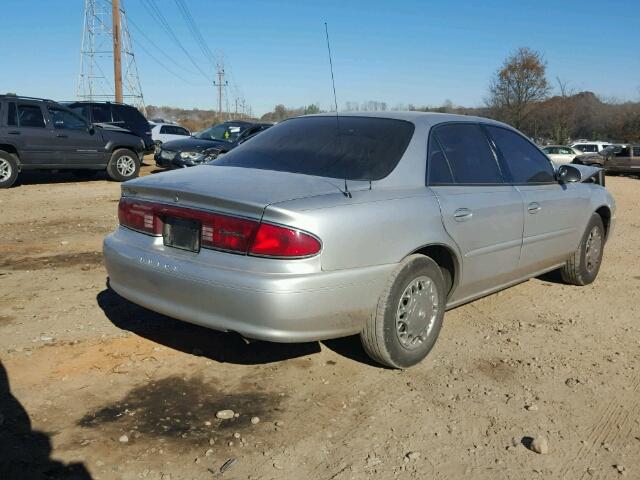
<point x="182" y="233"/>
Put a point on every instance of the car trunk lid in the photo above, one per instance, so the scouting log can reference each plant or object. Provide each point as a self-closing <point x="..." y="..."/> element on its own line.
<point x="234" y="190"/>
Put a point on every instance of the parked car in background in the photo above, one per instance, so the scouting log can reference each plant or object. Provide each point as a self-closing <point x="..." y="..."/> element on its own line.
<point x="616" y="159"/>
<point x="39" y="134"/>
<point x="370" y="223"/>
<point x="119" y="114"/>
<point x="561" y="154"/>
<point x="591" y="147"/>
<point x="165" y="132"/>
<point x="206" y="145"/>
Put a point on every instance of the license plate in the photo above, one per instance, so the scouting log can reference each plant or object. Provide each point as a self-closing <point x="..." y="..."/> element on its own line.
<point x="181" y="233"/>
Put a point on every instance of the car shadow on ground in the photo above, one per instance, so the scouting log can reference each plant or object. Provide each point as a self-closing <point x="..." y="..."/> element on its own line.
<point x="24" y="452"/>
<point x="45" y="178"/>
<point x="218" y="346"/>
<point x="552" y="277"/>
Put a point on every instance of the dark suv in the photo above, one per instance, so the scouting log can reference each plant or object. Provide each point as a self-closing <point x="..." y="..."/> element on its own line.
<point x="38" y="134"/>
<point x="119" y="114"/>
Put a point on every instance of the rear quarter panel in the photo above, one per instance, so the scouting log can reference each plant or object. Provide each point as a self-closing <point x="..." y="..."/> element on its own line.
<point x="375" y="227"/>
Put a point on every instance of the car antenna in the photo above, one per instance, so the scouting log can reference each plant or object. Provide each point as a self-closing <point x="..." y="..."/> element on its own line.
<point x="346" y="191"/>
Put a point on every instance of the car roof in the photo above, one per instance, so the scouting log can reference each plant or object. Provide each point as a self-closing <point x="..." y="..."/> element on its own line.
<point x="91" y="102"/>
<point x="11" y="96"/>
<point x="420" y="119"/>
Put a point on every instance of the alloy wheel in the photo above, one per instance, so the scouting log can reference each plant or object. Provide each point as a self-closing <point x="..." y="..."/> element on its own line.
<point x="126" y="166"/>
<point x="593" y="248"/>
<point x="5" y="170"/>
<point x="416" y="312"/>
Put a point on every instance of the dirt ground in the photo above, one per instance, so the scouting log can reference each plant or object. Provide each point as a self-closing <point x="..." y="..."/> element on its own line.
<point x="81" y="369"/>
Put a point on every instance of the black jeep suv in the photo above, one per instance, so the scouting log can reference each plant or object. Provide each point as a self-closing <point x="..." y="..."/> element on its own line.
<point x="118" y="114"/>
<point x="38" y="134"/>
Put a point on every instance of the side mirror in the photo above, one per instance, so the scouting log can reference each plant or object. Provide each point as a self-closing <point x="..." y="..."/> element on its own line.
<point x="91" y="129"/>
<point x="568" y="174"/>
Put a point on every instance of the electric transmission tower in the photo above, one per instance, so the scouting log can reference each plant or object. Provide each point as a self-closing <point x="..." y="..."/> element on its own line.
<point x="108" y="69"/>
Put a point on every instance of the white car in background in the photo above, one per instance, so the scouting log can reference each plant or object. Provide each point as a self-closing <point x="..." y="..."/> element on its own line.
<point x="561" y="154"/>
<point x="591" y="147"/>
<point x="165" y="132"/>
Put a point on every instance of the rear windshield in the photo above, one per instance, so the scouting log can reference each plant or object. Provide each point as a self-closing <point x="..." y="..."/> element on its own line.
<point x="354" y="148"/>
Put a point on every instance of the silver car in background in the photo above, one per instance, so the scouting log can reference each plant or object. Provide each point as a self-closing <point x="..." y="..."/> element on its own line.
<point x="327" y="226"/>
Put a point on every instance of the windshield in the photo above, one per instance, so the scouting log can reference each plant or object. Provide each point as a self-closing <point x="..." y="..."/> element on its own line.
<point x="224" y="132"/>
<point x="353" y="148"/>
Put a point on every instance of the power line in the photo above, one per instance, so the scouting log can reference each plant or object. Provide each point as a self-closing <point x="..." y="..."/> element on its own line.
<point x="195" y="31"/>
<point x="157" y="14"/>
<point x="163" y="65"/>
<point x="157" y="48"/>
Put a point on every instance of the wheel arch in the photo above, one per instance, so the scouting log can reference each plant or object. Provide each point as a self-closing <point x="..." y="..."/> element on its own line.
<point x="605" y="214"/>
<point x="115" y="147"/>
<point x="7" y="147"/>
<point x="447" y="260"/>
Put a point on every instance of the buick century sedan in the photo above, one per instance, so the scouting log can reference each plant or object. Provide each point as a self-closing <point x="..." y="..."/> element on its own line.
<point x="372" y="224"/>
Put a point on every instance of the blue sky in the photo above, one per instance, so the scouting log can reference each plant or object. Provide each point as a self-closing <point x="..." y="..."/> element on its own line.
<point x="410" y="51"/>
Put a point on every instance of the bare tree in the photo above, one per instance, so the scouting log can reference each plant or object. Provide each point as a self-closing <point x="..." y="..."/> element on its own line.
<point x="517" y="86"/>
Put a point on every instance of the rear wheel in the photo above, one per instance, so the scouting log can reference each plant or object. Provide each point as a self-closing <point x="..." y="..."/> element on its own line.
<point x="124" y="165"/>
<point x="583" y="266"/>
<point x="409" y="316"/>
<point x="8" y="170"/>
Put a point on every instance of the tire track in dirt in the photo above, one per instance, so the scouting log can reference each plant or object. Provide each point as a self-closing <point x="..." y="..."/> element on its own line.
<point x="606" y="431"/>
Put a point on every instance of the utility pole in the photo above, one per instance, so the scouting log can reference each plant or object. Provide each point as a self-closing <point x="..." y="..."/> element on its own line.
<point x="117" y="59"/>
<point x="221" y="84"/>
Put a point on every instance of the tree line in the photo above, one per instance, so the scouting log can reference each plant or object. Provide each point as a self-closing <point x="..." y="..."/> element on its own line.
<point x="521" y="94"/>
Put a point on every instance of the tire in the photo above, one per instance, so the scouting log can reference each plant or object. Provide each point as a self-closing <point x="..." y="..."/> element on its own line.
<point x="8" y="169"/>
<point x="584" y="264"/>
<point x="384" y="337"/>
<point x="124" y="165"/>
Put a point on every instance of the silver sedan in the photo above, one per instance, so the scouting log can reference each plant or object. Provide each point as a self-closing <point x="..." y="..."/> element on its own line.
<point x="372" y="224"/>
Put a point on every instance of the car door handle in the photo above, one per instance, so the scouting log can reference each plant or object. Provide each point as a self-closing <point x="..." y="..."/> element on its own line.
<point x="462" y="214"/>
<point x="61" y="135"/>
<point x="534" y="207"/>
<point x="13" y="132"/>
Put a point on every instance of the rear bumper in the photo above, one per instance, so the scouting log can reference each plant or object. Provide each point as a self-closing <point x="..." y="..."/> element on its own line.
<point x="279" y="307"/>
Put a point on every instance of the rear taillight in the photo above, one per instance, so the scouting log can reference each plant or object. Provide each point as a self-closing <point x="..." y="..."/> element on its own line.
<point x="276" y="241"/>
<point x="139" y="216"/>
<point x="227" y="233"/>
<point x="221" y="232"/>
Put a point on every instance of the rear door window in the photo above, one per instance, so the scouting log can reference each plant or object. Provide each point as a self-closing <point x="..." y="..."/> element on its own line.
<point x="101" y="113"/>
<point x="524" y="161"/>
<point x="83" y="111"/>
<point x="130" y="117"/>
<point x="30" y="116"/>
<point x="12" y="115"/>
<point x="438" y="170"/>
<point x="346" y="147"/>
<point x="469" y="155"/>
